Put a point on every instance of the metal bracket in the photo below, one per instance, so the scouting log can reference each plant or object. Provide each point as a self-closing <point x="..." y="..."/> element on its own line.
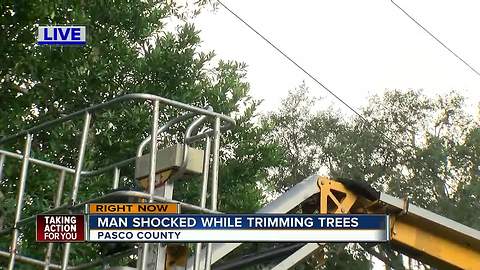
<point x="335" y="198"/>
<point x="171" y="158"/>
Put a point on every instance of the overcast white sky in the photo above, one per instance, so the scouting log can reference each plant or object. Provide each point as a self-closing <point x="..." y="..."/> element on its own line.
<point x="357" y="48"/>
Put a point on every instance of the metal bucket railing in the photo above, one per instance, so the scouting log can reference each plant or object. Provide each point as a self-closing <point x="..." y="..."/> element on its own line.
<point x="209" y="134"/>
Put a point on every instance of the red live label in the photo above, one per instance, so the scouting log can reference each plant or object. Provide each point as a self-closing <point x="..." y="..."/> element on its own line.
<point x="60" y="228"/>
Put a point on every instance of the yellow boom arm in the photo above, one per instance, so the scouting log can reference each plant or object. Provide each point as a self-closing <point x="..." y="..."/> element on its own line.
<point x="414" y="231"/>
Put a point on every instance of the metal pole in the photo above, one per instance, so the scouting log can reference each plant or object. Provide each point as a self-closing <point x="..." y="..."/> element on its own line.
<point x="76" y="181"/>
<point x="161" y="252"/>
<point x="25" y="259"/>
<point x="97" y="107"/>
<point x="58" y="200"/>
<point x="116" y="177"/>
<point x="203" y="198"/>
<point x="153" y="164"/>
<point x="37" y="161"/>
<point x="215" y="166"/>
<point x="153" y="154"/>
<point x="297" y="256"/>
<point x="206" y="166"/>
<point x="2" y="161"/>
<point x="21" y="193"/>
<point x="61" y="183"/>
<point x="216" y="163"/>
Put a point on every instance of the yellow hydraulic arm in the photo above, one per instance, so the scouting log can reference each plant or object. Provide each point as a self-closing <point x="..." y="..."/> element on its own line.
<point x="414" y="231"/>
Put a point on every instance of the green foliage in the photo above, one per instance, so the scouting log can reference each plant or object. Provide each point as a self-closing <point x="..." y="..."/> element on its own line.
<point x="288" y="128"/>
<point x="432" y="153"/>
<point x="128" y="50"/>
<point x="350" y="257"/>
<point x="416" y="146"/>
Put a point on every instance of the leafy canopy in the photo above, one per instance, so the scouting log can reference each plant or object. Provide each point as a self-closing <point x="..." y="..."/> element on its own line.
<point x="129" y="50"/>
<point x="416" y="146"/>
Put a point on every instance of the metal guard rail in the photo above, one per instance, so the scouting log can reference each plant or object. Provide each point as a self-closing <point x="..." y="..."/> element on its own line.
<point x="78" y="171"/>
<point x="230" y="121"/>
<point x="193" y="111"/>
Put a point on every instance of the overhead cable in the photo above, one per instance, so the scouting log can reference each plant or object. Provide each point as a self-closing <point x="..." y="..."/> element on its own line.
<point x="438" y="40"/>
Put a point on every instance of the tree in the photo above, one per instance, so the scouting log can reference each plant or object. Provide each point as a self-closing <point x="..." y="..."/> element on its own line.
<point x="426" y="148"/>
<point x="292" y="129"/>
<point x="288" y="128"/>
<point x="411" y="145"/>
<point x="128" y="50"/>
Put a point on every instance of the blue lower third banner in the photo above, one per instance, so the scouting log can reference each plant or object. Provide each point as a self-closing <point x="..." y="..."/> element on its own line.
<point x="238" y="228"/>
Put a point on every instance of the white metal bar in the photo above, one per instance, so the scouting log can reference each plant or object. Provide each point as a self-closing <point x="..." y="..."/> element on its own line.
<point x="161" y="252"/>
<point x="116" y="177"/>
<point x="206" y="166"/>
<point x="76" y="181"/>
<point x="163" y="128"/>
<point x="151" y="186"/>
<point x="2" y="162"/>
<point x="58" y="200"/>
<point x="287" y="201"/>
<point x="25" y="259"/>
<point x="127" y="97"/>
<point x="215" y="167"/>
<point x="61" y="184"/>
<point x="203" y="197"/>
<point x="297" y="256"/>
<point x="21" y="194"/>
<point x="428" y="215"/>
<point x="37" y="161"/>
<point x="216" y="163"/>
<point x="153" y="149"/>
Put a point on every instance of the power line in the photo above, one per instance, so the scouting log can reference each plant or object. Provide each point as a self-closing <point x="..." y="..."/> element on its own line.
<point x="292" y="61"/>
<point x="438" y="40"/>
<point x="364" y="120"/>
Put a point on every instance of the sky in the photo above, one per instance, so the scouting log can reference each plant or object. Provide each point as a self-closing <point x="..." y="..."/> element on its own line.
<point x="356" y="48"/>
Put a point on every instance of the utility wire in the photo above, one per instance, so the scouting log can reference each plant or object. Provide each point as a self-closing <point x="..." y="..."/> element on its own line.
<point x="364" y="120"/>
<point x="292" y="61"/>
<point x="438" y="40"/>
